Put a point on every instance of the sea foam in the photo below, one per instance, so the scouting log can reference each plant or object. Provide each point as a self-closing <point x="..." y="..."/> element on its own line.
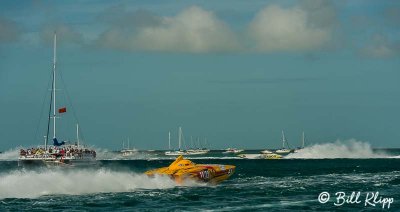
<point x="339" y="149"/>
<point x="33" y="184"/>
<point x="10" y="155"/>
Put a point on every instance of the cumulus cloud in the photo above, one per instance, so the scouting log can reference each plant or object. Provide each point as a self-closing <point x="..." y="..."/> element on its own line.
<point x="66" y="32"/>
<point x="304" y="27"/>
<point x="193" y="30"/>
<point x="379" y="46"/>
<point x="9" y="31"/>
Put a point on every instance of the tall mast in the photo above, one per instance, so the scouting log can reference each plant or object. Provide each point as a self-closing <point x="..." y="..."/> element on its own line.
<point x="54" y="85"/>
<point x="180" y="137"/>
<point x="77" y="134"/>
<point x="302" y="146"/>
<point x="169" y="140"/>
<point x="283" y="139"/>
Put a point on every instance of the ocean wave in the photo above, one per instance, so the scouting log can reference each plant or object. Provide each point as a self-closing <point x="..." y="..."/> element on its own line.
<point x="339" y="149"/>
<point x="10" y="155"/>
<point x="33" y="184"/>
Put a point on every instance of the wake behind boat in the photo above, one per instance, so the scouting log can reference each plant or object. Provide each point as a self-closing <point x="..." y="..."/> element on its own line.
<point x="60" y="153"/>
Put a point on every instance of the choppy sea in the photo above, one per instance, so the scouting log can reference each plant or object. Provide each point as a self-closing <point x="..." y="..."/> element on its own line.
<point x="291" y="184"/>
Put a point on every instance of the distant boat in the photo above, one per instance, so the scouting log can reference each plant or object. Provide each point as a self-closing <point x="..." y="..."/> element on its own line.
<point x="126" y="152"/>
<point x="232" y="151"/>
<point x="60" y="153"/>
<point x="250" y="156"/>
<point x="266" y="151"/>
<point x="260" y="156"/>
<point x="197" y="151"/>
<point x="271" y="156"/>
<point x="302" y="143"/>
<point x="284" y="150"/>
<point x="179" y="151"/>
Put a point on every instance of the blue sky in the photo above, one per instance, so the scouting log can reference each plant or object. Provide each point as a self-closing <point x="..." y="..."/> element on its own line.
<point x="234" y="72"/>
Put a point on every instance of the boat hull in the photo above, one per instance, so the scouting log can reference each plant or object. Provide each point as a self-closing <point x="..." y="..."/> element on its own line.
<point x="283" y="151"/>
<point x="182" y="170"/>
<point x="49" y="162"/>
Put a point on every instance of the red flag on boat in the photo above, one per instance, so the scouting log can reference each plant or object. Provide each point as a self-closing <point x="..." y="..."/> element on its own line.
<point x="62" y="110"/>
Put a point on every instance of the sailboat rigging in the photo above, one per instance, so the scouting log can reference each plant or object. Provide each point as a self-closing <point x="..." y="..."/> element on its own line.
<point x="60" y="153"/>
<point x="126" y="152"/>
<point x="284" y="149"/>
<point x="180" y="151"/>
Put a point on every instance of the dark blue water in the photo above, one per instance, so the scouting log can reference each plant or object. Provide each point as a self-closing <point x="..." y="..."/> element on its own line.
<point x="257" y="185"/>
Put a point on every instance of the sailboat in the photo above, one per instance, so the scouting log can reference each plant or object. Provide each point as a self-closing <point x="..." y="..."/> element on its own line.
<point x="302" y="143"/>
<point x="197" y="151"/>
<point x="60" y="153"/>
<point x="206" y="147"/>
<point x="126" y="152"/>
<point x="284" y="150"/>
<point x="179" y="151"/>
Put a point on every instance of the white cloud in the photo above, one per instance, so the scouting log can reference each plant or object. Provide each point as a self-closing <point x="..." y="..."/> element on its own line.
<point x="379" y="46"/>
<point x="290" y="29"/>
<point x="193" y="30"/>
<point x="306" y="26"/>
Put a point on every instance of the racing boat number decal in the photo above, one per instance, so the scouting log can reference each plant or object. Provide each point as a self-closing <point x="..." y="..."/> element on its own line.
<point x="205" y="174"/>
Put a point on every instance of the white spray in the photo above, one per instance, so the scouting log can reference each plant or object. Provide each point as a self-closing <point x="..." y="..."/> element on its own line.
<point x="33" y="184"/>
<point x="339" y="149"/>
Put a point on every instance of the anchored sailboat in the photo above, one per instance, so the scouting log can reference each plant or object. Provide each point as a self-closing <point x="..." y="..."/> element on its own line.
<point x="302" y="143"/>
<point x="60" y="153"/>
<point x="179" y="151"/>
<point x="198" y="150"/>
<point x="127" y="151"/>
<point x="284" y="149"/>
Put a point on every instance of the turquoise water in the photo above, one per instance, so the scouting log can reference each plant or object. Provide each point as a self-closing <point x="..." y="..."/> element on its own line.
<point x="257" y="185"/>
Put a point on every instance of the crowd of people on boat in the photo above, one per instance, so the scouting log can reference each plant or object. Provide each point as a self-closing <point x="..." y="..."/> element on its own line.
<point x="57" y="152"/>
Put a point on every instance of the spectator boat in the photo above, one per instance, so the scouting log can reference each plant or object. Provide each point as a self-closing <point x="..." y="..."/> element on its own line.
<point x="60" y="153"/>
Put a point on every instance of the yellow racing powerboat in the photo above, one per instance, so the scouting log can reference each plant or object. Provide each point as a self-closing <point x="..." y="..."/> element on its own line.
<point x="182" y="169"/>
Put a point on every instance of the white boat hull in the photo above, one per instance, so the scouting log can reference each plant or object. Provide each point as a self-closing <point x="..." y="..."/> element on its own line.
<point x="283" y="151"/>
